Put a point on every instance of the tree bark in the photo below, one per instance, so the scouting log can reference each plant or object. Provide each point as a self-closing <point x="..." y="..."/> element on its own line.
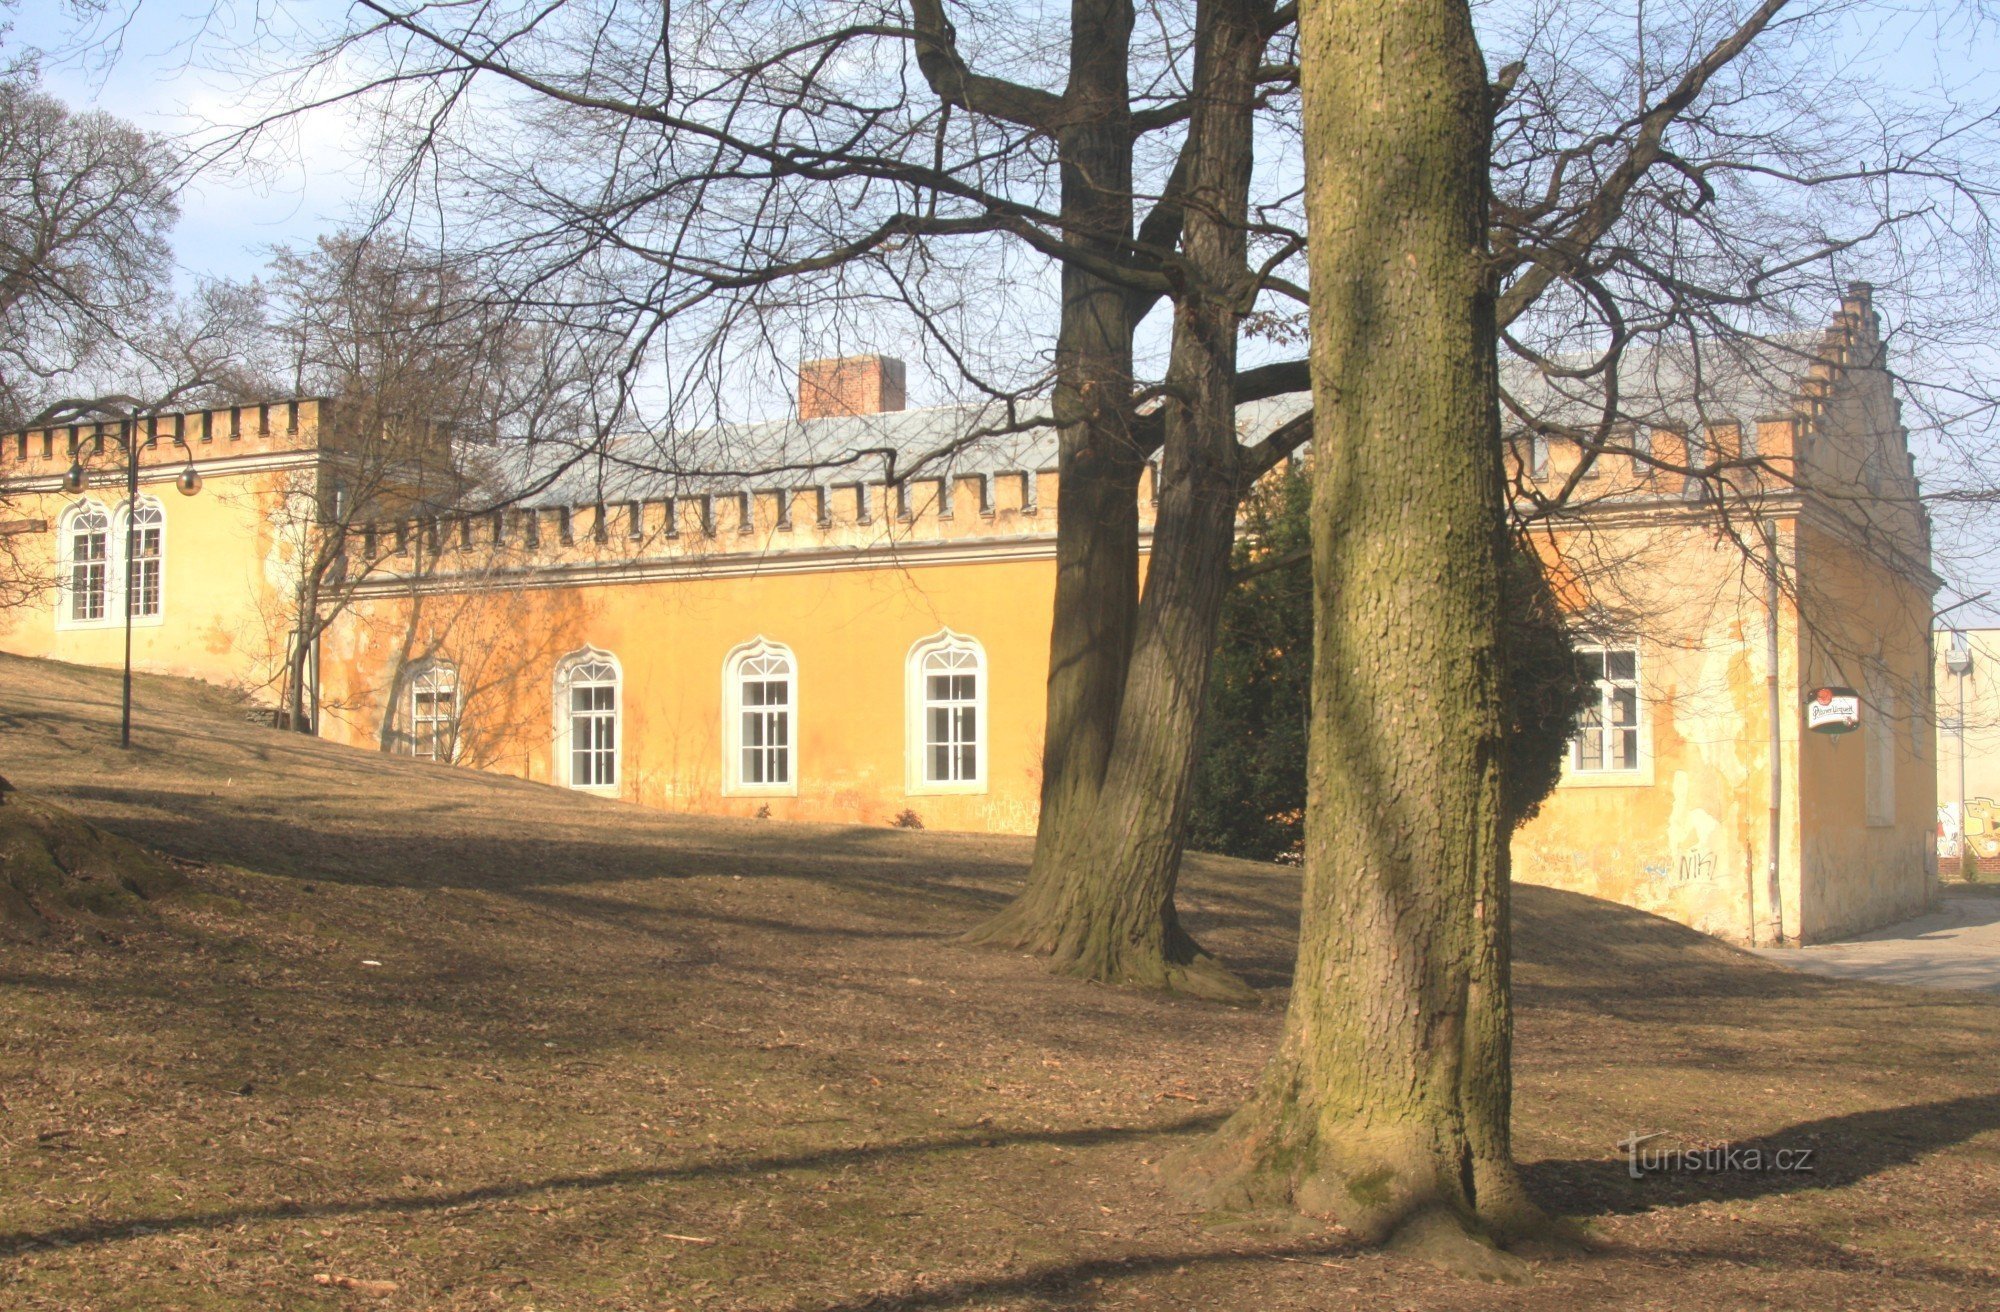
<point x="1385" y="1105"/>
<point x="1100" y="895"/>
<point x="1099" y="466"/>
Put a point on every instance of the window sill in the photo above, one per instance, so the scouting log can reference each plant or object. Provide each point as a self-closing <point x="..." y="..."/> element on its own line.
<point x="931" y="788"/>
<point x="760" y="790"/>
<point x="112" y="625"/>
<point x="1639" y="778"/>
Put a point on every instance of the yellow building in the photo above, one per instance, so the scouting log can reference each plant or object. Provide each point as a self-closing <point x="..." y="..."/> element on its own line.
<point x="211" y="585"/>
<point x="1696" y="791"/>
<point x="1968" y="752"/>
<point x="864" y="636"/>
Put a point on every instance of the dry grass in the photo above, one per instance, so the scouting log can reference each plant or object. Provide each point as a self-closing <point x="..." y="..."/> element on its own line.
<point x="618" y="1059"/>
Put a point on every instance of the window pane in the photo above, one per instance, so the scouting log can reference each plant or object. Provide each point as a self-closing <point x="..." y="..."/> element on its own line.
<point x="1624" y="706"/>
<point x="940" y="763"/>
<point x="940" y="687"/>
<point x="1590" y="749"/>
<point x="781" y="765"/>
<point x="1622" y="665"/>
<point x="968" y="762"/>
<point x="780" y="724"/>
<point x="1593" y="663"/>
<point x="1627" y="749"/>
<point x="753" y="729"/>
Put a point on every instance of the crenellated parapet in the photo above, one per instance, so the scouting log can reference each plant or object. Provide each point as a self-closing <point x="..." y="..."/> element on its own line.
<point x="740" y="525"/>
<point x="226" y="431"/>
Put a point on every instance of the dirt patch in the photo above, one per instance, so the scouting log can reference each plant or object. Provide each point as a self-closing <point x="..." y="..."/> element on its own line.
<point x="473" y="1043"/>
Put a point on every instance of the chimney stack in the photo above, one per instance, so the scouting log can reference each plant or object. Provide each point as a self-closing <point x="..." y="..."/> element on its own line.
<point x="850" y="385"/>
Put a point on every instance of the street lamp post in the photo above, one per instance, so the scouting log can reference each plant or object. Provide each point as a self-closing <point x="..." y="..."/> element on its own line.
<point x="77" y="478"/>
<point x="1958" y="659"/>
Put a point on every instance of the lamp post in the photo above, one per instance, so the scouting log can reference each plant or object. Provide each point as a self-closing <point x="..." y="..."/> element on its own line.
<point x="1958" y="659"/>
<point x="77" y="478"/>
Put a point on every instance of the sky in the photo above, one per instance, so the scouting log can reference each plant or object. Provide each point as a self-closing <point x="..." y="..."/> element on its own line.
<point x="170" y="69"/>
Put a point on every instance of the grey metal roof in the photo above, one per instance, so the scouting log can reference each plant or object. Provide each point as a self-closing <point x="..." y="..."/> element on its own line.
<point x="1682" y="384"/>
<point x="1678" y="385"/>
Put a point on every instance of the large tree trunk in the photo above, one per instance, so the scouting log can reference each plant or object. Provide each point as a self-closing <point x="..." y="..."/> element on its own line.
<point x="1099" y="466"/>
<point x="1384" y="1106"/>
<point x="1100" y="896"/>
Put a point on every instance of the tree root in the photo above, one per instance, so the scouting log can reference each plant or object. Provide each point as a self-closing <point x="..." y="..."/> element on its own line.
<point x="1179" y="966"/>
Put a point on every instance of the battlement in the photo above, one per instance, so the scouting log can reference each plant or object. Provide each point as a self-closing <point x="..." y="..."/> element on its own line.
<point x="1631" y="469"/>
<point x="268" y="426"/>
<point x="746" y="522"/>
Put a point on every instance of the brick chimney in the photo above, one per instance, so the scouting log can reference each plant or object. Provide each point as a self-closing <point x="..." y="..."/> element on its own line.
<point x="850" y="385"/>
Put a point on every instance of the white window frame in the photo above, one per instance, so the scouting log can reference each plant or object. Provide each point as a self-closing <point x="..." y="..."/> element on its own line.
<point x="66" y="592"/>
<point x="917" y="707"/>
<point x="433" y="677"/>
<point x="120" y="522"/>
<point x="605" y="671"/>
<point x="759" y="651"/>
<point x="1573" y="766"/>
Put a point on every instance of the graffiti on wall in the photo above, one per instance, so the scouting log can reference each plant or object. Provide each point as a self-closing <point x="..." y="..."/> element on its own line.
<point x="1981" y="828"/>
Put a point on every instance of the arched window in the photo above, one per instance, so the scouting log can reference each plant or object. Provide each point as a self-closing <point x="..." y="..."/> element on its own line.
<point x="947" y="715"/>
<point x="587" y="718"/>
<point x="760" y="702"/>
<point x="145" y="571"/>
<point x="434" y="712"/>
<point x="86" y="567"/>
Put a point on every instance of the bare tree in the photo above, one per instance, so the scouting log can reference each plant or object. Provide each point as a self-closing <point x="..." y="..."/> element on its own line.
<point x="86" y="206"/>
<point x="412" y="371"/>
<point x="713" y="185"/>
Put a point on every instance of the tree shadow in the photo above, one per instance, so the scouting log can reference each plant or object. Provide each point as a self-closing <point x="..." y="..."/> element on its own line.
<point x="968" y="1138"/>
<point x="1846" y="1149"/>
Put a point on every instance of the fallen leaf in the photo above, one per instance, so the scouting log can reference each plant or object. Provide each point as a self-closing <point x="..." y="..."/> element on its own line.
<point x="372" y="1288"/>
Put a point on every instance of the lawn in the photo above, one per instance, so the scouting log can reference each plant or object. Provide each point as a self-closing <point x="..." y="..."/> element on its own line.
<point x="501" y="1046"/>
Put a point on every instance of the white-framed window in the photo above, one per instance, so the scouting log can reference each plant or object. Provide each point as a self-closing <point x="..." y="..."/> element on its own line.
<point x="86" y="565"/>
<point x="947" y="747"/>
<point x="434" y="712"/>
<point x="588" y="727"/>
<point x="1879" y="734"/>
<point x="760" y="720"/>
<point x="145" y="573"/>
<point x="1607" y="734"/>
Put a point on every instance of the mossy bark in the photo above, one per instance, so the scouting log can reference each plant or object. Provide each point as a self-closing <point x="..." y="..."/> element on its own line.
<point x="1385" y="1106"/>
<point x="1100" y="895"/>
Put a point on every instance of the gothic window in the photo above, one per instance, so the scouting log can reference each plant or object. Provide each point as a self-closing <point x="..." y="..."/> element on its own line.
<point x="760" y="696"/>
<point x="86" y="545"/>
<point x="434" y="713"/>
<point x="588" y="727"/>
<point x="947" y="712"/>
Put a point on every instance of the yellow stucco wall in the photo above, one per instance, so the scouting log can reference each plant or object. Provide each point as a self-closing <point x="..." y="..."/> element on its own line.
<point x="230" y="552"/>
<point x="1687" y="834"/>
<point x="1968" y="748"/>
<point x="1868" y="630"/>
<point x="850" y="631"/>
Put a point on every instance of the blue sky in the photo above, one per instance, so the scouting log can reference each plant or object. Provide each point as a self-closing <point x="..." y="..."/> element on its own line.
<point x="173" y="72"/>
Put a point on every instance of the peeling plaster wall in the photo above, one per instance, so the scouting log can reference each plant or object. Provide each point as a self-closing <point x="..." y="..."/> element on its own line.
<point x="1686" y="835"/>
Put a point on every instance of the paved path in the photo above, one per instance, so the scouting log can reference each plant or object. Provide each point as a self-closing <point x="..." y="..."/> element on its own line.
<point x="1956" y="948"/>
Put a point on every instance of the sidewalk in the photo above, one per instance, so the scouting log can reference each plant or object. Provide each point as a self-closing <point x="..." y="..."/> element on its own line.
<point x="1955" y="948"/>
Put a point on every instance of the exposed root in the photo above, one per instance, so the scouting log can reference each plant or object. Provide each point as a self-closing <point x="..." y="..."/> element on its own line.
<point x="1084" y="951"/>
